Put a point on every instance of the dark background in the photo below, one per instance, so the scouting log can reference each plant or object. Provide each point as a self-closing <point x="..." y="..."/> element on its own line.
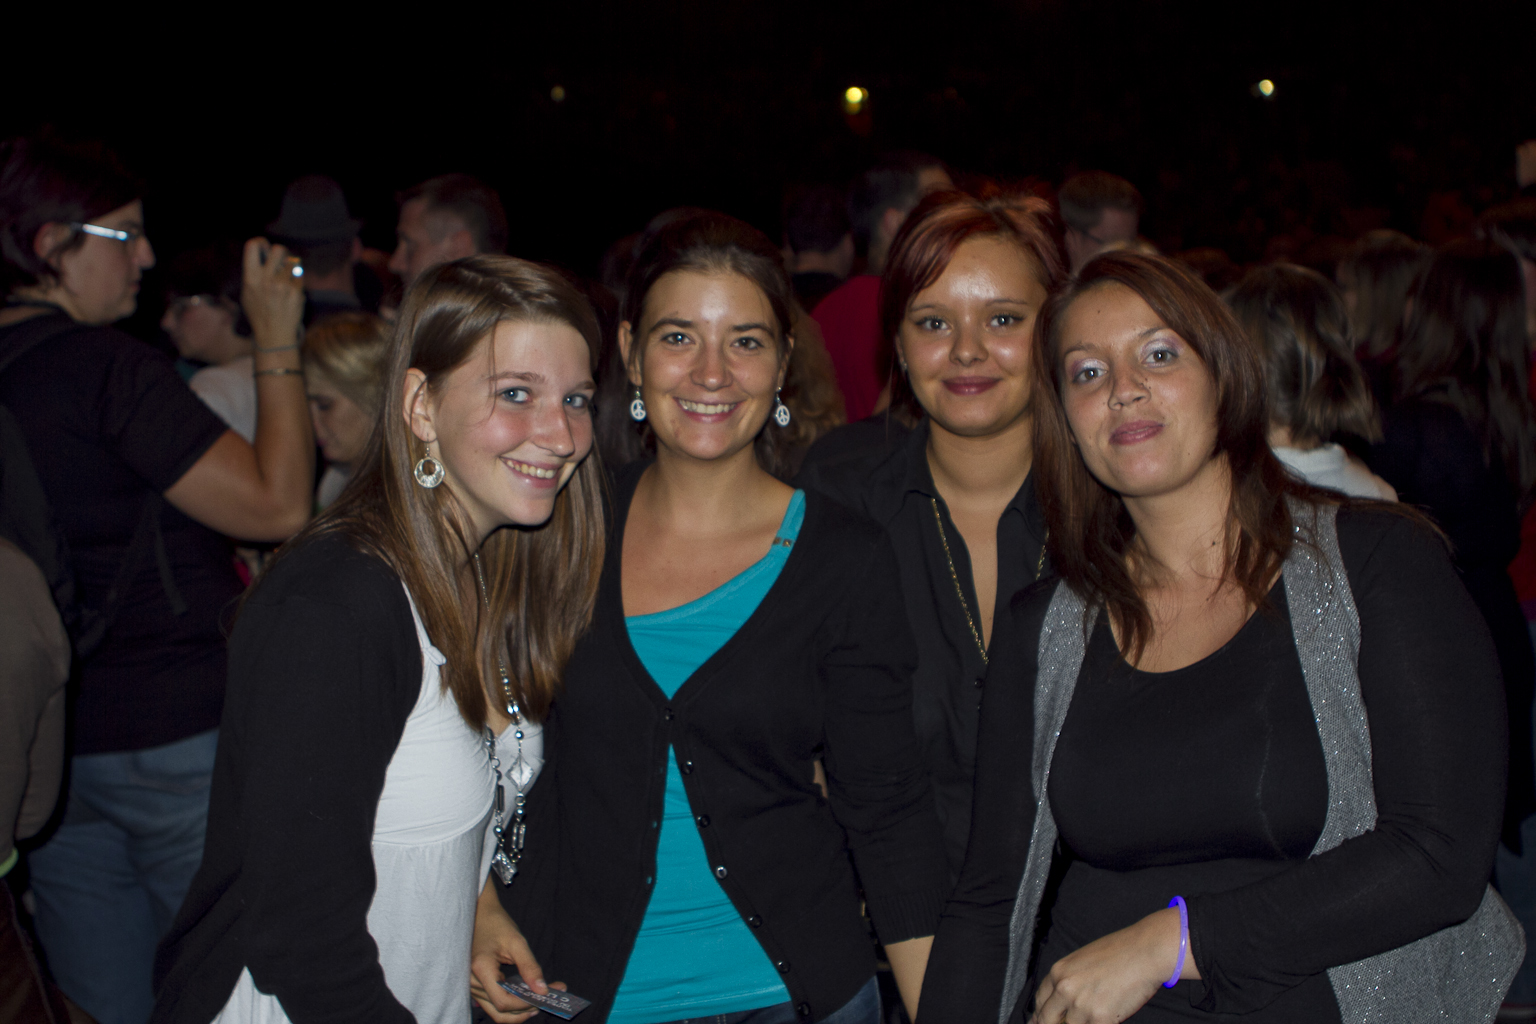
<point x="1381" y="112"/>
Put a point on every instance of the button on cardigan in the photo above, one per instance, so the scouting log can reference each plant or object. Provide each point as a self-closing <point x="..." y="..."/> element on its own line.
<point x="822" y="669"/>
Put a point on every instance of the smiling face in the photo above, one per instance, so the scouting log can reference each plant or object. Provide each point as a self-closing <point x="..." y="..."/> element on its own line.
<point x="709" y="362"/>
<point x="510" y="424"/>
<point x="966" y="340"/>
<point x="98" y="281"/>
<point x="1141" y="402"/>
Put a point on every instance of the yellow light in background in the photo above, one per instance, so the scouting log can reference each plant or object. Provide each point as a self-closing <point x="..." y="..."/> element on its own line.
<point x="557" y="94"/>
<point x="1266" y="88"/>
<point x="853" y="99"/>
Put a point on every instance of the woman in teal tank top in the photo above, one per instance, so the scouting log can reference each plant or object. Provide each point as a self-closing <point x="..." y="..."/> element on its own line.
<point x="703" y="535"/>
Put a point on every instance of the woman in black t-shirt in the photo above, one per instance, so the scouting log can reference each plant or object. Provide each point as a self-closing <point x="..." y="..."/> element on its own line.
<point x="1263" y="720"/>
<point x="142" y="480"/>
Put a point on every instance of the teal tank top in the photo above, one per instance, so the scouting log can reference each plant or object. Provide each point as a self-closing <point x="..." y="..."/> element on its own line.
<point x="694" y="956"/>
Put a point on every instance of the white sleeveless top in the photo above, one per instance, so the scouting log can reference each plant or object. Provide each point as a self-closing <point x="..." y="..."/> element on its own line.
<point x="432" y="845"/>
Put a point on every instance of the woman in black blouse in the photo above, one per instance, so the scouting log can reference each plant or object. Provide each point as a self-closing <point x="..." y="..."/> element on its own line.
<point x="1178" y="747"/>
<point x="965" y="280"/>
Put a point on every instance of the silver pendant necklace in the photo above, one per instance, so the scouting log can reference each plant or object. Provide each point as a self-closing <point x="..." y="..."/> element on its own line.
<point x="507" y="838"/>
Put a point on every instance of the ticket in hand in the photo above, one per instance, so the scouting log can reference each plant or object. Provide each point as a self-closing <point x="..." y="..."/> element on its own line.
<point x="561" y="1004"/>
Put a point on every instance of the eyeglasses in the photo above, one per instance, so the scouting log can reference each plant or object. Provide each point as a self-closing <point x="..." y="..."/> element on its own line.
<point x="127" y="236"/>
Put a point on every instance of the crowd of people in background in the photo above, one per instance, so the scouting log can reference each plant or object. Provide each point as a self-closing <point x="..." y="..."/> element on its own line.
<point x="925" y="614"/>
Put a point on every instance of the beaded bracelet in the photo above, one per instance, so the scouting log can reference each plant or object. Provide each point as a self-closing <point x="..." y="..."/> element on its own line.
<point x="1178" y="901"/>
<point x="278" y="372"/>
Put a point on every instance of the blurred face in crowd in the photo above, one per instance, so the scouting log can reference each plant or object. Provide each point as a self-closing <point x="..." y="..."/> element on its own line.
<point x="509" y="424"/>
<point x="1141" y="403"/>
<point x="342" y="427"/>
<point x="201" y="327"/>
<point x="98" y="281"/>
<point x="1114" y="226"/>
<point x="966" y="341"/>
<point x="709" y="364"/>
<point x="427" y="237"/>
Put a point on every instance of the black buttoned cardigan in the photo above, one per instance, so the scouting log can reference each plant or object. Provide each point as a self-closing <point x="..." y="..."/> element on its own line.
<point x="822" y="669"/>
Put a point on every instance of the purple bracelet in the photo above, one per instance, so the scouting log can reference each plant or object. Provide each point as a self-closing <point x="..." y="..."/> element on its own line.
<point x="1178" y="901"/>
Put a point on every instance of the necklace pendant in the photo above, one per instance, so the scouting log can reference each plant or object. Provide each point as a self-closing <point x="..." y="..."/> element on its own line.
<point x="503" y="866"/>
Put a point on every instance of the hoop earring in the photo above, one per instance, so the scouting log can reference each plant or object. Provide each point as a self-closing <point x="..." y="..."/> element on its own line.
<point x="780" y="410"/>
<point x="429" y="478"/>
<point x="637" y="408"/>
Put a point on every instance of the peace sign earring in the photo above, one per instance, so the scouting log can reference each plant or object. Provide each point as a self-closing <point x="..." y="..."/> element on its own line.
<point x="780" y="410"/>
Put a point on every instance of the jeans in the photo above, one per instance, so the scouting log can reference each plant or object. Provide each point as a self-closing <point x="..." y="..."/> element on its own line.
<point x="863" y="1008"/>
<point x="109" y="882"/>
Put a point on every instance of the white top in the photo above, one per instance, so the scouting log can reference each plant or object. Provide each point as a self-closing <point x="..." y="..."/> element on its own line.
<point x="431" y="849"/>
<point x="332" y="484"/>
<point x="1330" y="466"/>
<point x="230" y="391"/>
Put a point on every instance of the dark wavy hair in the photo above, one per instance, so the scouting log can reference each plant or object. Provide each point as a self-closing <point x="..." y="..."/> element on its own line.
<point x="542" y="581"/>
<point x="1464" y="344"/>
<point x="1090" y="530"/>
<point x="1380" y="270"/>
<point x="45" y="179"/>
<point x="710" y="243"/>
<point x="928" y="240"/>
<point x="1316" y="389"/>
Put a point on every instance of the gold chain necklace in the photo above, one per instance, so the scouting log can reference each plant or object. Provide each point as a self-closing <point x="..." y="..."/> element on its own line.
<point x="954" y="576"/>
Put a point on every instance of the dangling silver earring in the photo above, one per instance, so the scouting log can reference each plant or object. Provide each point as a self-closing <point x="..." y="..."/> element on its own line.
<point x="780" y="410"/>
<point x="429" y="472"/>
<point x="637" y="408"/>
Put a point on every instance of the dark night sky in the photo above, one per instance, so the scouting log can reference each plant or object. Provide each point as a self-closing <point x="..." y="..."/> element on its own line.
<point x="721" y="104"/>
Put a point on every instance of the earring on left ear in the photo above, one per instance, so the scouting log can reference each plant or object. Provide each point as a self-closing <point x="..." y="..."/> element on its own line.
<point x="429" y="472"/>
<point x="780" y="410"/>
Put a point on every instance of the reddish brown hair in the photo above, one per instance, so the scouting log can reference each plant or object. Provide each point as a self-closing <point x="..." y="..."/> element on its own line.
<point x="1090" y="530"/>
<point x="926" y="243"/>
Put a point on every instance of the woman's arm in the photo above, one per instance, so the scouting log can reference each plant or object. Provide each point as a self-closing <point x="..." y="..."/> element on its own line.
<point x="964" y="982"/>
<point x="1431" y="685"/>
<point x="876" y="783"/>
<point x="261" y="491"/>
<point x="498" y="941"/>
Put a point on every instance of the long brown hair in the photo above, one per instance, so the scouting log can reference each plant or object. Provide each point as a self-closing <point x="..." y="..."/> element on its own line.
<point x="542" y="580"/>
<point x="926" y="243"/>
<point x="1297" y="317"/>
<point x="1090" y="530"/>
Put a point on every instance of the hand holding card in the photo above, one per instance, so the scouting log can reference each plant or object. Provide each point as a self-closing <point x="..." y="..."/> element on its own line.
<point x="560" y="1004"/>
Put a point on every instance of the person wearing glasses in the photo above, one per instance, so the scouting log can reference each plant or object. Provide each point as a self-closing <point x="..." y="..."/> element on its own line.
<point x="145" y="483"/>
<point x="1101" y="211"/>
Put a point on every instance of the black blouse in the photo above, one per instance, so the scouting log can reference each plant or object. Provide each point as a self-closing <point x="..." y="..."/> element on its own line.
<point x="879" y="468"/>
<point x="1208" y="783"/>
<point x="821" y="669"/>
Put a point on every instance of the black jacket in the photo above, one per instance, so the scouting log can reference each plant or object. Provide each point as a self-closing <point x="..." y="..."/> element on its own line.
<point x="325" y="668"/>
<point x="821" y="669"/>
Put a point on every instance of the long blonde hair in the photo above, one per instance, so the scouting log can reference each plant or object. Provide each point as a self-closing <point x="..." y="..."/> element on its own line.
<point x="541" y="581"/>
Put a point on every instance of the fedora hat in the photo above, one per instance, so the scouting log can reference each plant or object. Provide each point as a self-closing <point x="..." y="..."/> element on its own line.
<point x="314" y="210"/>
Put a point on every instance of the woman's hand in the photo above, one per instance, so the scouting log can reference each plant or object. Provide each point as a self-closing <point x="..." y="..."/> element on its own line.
<point x="1111" y="978"/>
<point x="273" y="299"/>
<point x="497" y="941"/>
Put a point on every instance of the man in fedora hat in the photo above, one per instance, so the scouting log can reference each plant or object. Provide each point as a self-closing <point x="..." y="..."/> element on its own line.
<point x="315" y="224"/>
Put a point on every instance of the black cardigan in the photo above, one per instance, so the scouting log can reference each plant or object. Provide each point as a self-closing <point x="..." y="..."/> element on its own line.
<point x="324" y="669"/>
<point x="821" y="669"/>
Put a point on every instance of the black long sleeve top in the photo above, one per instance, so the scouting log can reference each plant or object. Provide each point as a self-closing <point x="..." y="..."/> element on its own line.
<point x="1430" y="682"/>
<point x="324" y="669"/>
<point x="880" y="469"/>
<point x="821" y="669"/>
